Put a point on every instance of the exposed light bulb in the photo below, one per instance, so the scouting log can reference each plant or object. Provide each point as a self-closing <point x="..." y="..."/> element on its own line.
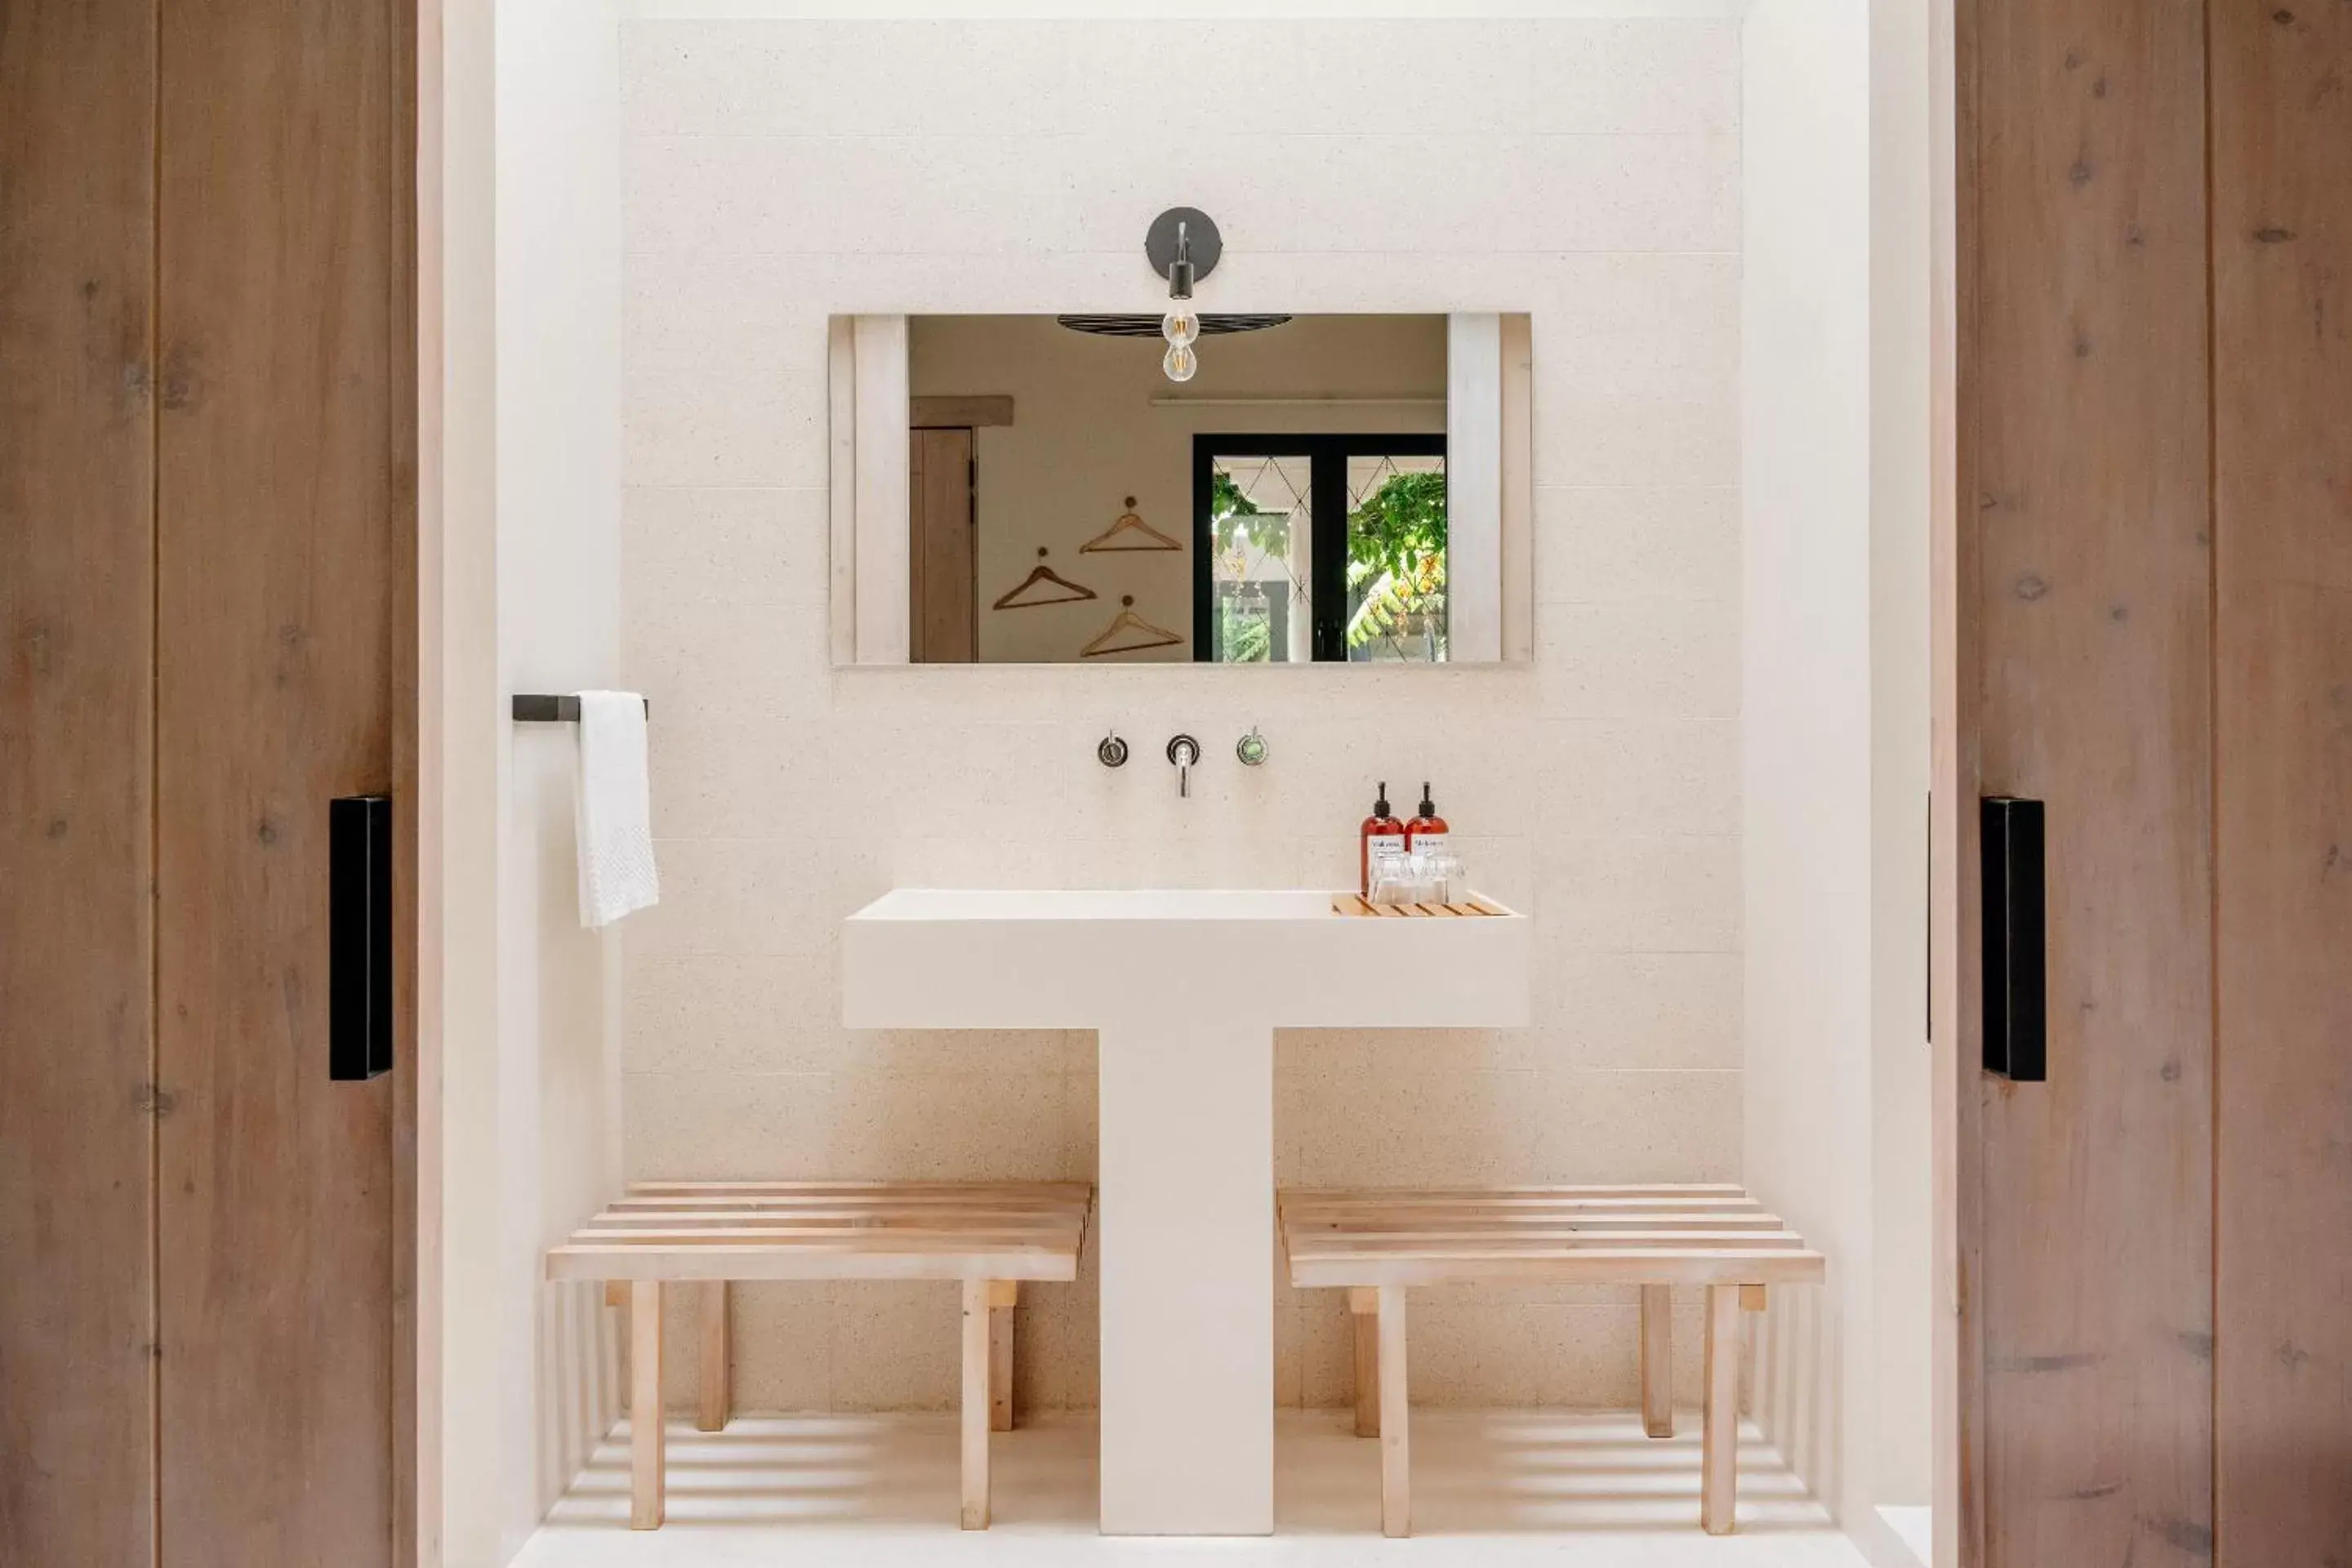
<point x="1179" y="362"/>
<point x="1181" y="325"/>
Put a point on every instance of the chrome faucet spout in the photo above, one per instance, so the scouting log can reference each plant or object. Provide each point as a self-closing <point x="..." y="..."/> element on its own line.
<point x="1184" y="752"/>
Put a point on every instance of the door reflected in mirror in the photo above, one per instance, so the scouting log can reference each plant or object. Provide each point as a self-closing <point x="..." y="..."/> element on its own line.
<point x="1068" y="503"/>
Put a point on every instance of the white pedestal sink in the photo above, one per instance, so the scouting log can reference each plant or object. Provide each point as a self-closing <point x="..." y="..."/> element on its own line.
<point x="1185" y="989"/>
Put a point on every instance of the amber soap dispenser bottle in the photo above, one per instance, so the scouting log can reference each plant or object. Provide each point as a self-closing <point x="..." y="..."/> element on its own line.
<point x="1381" y="832"/>
<point x="1427" y="830"/>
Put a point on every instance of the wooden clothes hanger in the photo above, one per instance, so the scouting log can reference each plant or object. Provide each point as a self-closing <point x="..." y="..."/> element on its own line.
<point x="1128" y="523"/>
<point x="1044" y="574"/>
<point x="1126" y="620"/>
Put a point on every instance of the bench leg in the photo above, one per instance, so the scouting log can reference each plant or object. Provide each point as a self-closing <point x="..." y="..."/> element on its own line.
<point x="975" y="1404"/>
<point x="1658" y="1359"/>
<point x="1364" y="1312"/>
<point x="1396" y="1454"/>
<point x="648" y="1481"/>
<point x="710" y="1414"/>
<point x="1003" y="1296"/>
<point x="1718" y="1497"/>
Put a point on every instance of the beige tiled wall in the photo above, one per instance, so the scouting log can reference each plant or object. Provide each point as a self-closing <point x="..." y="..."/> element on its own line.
<point x="781" y="171"/>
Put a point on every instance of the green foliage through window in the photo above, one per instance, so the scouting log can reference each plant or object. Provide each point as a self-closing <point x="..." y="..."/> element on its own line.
<point x="1244" y="633"/>
<point x="1237" y="522"/>
<point x="1396" y="561"/>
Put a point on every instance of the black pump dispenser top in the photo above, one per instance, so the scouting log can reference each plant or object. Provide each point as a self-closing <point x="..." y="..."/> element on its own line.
<point x="1381" y="806"/>
<point x="1428" y="806"/>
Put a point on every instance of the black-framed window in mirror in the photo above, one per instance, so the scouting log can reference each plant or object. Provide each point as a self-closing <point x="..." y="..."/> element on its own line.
<point x="1328" y="548"/>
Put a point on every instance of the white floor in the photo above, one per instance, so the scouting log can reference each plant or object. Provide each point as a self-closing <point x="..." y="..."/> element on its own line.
<point x="1494" y="1489"/>
<point x="1915" y="1527"/>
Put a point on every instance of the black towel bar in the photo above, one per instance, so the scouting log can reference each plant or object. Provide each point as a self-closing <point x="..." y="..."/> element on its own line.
<point x="542" y="708"/>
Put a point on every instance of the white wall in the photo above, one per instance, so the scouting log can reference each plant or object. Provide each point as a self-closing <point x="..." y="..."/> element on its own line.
<point x="1807" y="806"/>
<point x="1902" y="1157"/>
<point x="457" y="764"/>
<point x="779" y="173"/>
<point x="530" y="1078"/>
<point x="1835" y="489"/>
<point x="559" y="630"/>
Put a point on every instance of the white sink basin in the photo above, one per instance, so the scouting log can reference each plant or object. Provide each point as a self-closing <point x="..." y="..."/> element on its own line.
<point x="926" y="958"/>
<point x="1185" y="988"/>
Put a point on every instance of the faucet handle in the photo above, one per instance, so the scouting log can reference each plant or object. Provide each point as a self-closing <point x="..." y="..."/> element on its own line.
<point x="1112" y="753"/>
<point x="1251" y="749"/>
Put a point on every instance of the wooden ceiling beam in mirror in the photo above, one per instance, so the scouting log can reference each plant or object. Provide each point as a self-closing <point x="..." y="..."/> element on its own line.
<point x="959" y="413"/>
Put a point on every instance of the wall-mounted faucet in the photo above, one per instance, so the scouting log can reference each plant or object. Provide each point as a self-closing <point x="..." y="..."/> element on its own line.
<point x="1184" y="753"/>
<point x="1112" y="753"/>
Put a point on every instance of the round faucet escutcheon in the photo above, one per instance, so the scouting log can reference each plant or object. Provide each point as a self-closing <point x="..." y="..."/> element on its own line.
<point x="1112" y="753"/>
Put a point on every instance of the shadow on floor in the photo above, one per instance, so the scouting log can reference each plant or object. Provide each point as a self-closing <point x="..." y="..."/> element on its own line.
<point x="1543" y="1479"/>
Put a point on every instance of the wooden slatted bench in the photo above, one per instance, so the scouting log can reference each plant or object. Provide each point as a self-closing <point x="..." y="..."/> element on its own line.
<point x="1376" y="1243"/>
<point x="990" y="1237"/>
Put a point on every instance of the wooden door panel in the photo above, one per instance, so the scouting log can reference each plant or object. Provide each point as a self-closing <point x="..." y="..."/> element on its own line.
<point x="2086" y="470"/>
<point x="2282" y="118"/>
<point x="76" y="667"/>
<point x="283" y="541"/>
<point x="946" y="611"/>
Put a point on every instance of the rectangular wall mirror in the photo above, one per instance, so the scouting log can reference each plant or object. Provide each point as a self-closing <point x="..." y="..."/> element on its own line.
<point x="1324" y="489"/>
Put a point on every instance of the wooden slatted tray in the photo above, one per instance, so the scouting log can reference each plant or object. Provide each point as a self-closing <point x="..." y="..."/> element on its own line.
<point x="1350" y="904"/>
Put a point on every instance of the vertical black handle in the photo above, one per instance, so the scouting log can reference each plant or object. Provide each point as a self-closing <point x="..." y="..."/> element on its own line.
<point x="2016" y="981"/>
<point x="359" y="937"/>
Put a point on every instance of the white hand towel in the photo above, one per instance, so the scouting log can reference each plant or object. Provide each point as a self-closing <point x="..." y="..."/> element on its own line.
<point x="615" y="808"/>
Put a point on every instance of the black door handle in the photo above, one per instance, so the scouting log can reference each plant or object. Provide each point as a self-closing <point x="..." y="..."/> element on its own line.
<point x="2016" y="947"/>
<point x="359" y="937"/>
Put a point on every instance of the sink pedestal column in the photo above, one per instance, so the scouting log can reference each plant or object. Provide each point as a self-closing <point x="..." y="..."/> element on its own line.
<point x="1185" y="1242"/>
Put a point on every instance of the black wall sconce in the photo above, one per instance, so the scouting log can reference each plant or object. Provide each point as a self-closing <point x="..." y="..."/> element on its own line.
<point x="1182" y="245"/>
